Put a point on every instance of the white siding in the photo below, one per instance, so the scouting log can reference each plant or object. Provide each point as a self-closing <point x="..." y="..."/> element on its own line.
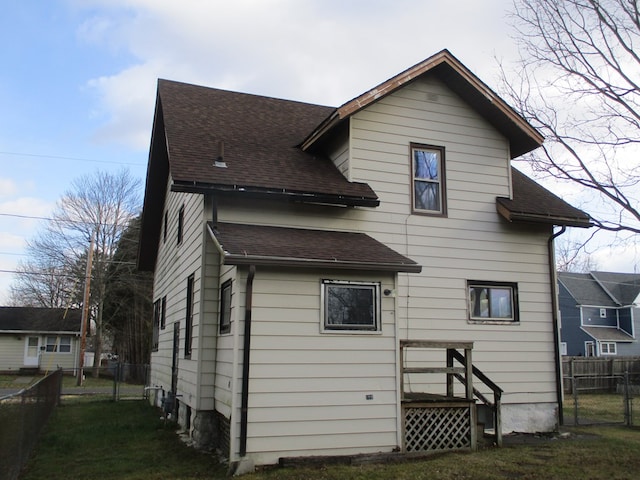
<point x="12" y="348"/>
<point x="12" y="352"/>
<point x="174" y="264"/>
<point x="308" y="389"/>
<point x="471" y="243"/>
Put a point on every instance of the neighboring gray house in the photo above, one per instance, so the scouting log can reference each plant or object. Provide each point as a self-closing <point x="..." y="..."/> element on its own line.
<point x="313" y="265"/>
<point x="39" y="339"/>
<point x="600" y="313"/>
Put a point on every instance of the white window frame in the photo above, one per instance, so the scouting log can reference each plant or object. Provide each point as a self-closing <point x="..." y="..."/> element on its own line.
<point x="53" y="344"/>
<point x="66" y="346"/>
<point x="608" y="347"/>
<point x="326" y="327"/>
<point x="513" y="319"/>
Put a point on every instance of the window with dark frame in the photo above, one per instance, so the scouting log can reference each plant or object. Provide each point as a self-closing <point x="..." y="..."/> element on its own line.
<point x="180" y="224"/>
<point x="188" y="333"/>
<point x="428" y="179"/>
<point x="351" y="306"/>
<point x="225" y="307"/>
<point x="163" y="313"/>
<point x="155" y="338"/>
<point x="166" y="226"/>
<point x="493" y="301"/>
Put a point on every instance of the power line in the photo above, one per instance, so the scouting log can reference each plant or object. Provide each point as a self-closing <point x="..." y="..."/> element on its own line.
<point x="75" y="159"/>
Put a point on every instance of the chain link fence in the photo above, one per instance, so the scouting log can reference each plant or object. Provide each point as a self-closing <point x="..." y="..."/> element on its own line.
<point x="602" y="399"/>
<point x="22" y="417"/>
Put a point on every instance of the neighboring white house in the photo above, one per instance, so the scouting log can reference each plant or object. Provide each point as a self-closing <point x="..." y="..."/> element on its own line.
<point x="297" y="248"/>
<point x="39" y="339"/>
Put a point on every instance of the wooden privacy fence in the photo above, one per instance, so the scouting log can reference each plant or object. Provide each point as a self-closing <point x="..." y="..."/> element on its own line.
<point x="599" y="374"/>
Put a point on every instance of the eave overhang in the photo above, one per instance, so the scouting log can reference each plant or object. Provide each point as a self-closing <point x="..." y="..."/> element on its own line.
<point x="529" y="217"/>
<point x="522" y="136"/>
<point x="241" y="255"/>
<point x="275" y="194"/>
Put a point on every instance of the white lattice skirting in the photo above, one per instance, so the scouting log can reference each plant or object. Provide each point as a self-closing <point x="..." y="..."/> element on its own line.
<point x="437" y="428"/>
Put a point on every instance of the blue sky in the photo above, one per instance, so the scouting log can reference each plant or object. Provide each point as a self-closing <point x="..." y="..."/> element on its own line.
<point x="78" y="77"/>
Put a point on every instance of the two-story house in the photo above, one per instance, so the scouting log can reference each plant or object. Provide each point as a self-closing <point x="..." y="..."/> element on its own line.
<point x="299" y="250"/>
<point x="600" y="313"/>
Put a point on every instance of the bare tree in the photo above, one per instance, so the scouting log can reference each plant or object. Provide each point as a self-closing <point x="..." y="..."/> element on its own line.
<point x="571" y="256"/>
<point x="128" y="308"/>
<point x="99" y="205"/>
<point x="578" y="83"/>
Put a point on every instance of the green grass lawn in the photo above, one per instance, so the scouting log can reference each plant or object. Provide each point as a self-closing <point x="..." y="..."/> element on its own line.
<point x="127" y="440"/>
<point x="115" y="440"/>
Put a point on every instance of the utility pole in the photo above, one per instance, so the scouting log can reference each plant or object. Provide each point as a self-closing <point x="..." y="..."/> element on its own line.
<point x="85" y="310"/>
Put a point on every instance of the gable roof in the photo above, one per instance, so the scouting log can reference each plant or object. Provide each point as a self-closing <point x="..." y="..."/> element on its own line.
<point x="602" y="289"/>
<point x="623" y="288"/>
<point x="40" y="320"/>
<point x="295" y="247"/>
<point x="585" y="290"/>
<point x="521" y="135"/>
<point x="230" y="143"/>
<point x="534" y="203"/>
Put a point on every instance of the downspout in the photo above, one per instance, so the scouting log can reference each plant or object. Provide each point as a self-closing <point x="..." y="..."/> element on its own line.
<point x="554" y="315"/>
<point x="244" y="410"/>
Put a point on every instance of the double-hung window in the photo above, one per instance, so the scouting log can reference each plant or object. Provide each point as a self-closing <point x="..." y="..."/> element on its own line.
<point x="427" y="172"/>
<point x="350" y="306"/>
<point x="492" y="301"/>
<point x="607" y="348"/>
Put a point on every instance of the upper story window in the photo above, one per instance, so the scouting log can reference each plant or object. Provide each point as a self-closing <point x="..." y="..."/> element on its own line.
<point x="225" y="307"/>
<point x="180" y="224"/>
<point x="350" y="306"/>
<point x="493" y="301"/>
<point x="427" y="172"/>
<point x="166" y="226"/>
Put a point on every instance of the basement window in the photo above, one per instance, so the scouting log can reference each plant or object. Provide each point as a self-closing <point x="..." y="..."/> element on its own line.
<point x="350" y="306"/>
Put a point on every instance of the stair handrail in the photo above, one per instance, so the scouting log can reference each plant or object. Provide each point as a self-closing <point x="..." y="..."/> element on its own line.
<point x="497" y="394"/>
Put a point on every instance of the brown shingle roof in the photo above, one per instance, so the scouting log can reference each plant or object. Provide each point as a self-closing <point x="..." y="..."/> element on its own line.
<point x="260" y="138"/>
<point x="279" y="246"/>
<point x="533" y="203"/>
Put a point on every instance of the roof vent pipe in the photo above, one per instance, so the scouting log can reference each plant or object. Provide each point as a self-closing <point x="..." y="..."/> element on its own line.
<point x="220" y="163"/>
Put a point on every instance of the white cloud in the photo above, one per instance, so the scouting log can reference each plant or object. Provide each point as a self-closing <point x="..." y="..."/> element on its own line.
<point x="8" y="187"/>
<point x="316" y="51"/>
